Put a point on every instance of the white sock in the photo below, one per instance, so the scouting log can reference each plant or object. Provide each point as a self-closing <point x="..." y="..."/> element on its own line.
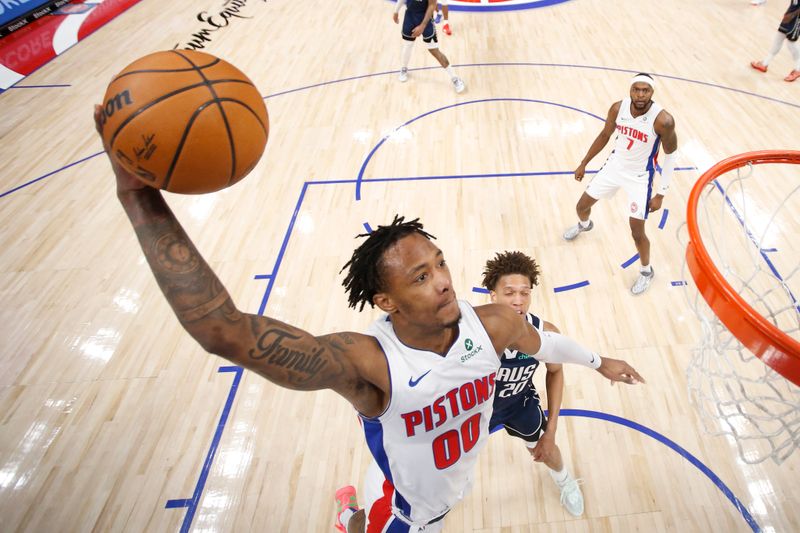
<point x="584" y="223"/>
<point x="408" y="46"/>
<point x="560" y="477"/>
<point x="776" y="47"/>
<point x="645" y="269"/>
<point x="450" y="72"/>
<point x="346" y="515"/>
<point x="794" y="48"/>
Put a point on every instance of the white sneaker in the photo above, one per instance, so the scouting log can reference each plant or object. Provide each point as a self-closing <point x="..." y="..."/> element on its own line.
<point x="576" y="230"/>
<point x="458" y="85"/>
<point x="642" y="282"/>
<point x="571" y="496"/>
<point x="403" y="77"/>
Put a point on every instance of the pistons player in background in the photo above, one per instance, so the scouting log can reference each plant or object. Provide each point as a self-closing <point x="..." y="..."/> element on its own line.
<point x="510" y="278"/>
<point x="642" y="126"/>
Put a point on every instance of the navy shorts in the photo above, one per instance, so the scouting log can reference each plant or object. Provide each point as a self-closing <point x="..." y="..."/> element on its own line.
<point x="412" y="20"/>
<point x="524" y="420"/>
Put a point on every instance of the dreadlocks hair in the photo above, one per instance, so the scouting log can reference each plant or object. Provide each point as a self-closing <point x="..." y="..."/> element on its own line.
<point x="507" y="263"/>
<point x="365" y="277"/>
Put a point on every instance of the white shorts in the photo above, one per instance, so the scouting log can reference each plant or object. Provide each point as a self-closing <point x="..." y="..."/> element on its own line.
<point x="638" y="186"/>
<point x="377" y="494"/>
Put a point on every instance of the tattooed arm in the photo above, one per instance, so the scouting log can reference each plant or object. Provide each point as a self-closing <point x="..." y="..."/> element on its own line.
<point x="284" y="354"/>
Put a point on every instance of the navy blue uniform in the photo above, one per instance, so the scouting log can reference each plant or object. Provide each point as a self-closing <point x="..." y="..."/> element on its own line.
<point x="516" y="401"/>
<point x="415" y="14"/>
<point x="790" y="28"/>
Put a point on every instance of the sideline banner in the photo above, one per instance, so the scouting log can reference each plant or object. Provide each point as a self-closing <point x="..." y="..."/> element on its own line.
<point x="14" y="14"/>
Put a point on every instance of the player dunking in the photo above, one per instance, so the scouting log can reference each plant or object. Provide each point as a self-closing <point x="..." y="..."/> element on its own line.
<point x="642" y="126"/>
<point x="421" y="379"/>
<point x="417" y="21"/>
<point x="510" y="277"/>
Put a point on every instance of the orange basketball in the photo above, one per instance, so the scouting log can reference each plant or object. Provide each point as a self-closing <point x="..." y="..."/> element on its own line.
<point x="184" y="121"/>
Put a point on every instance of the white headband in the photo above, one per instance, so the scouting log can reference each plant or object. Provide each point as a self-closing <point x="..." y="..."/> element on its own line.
<point x="641" y="78"/>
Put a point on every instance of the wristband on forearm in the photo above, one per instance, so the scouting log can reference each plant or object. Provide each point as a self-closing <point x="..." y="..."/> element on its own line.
<point x="666" y="172"/>
<point x="557" y="348"/>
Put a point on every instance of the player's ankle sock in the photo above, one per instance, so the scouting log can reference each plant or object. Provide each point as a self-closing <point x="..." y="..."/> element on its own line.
<point x="561" y="476"/>
<point x="794" y="48"/>
<point x="408" y="47"/>
<point x="646" y="269"/>
<point x="346" y="515"/>
<point x="584" y="223"/>
<point x="450" y="72"/>
<point x="776" y="47"/>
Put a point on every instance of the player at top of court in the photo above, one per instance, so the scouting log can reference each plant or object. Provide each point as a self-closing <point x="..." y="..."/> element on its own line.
<point x="417" y="21"/>
<point x="642" y="126"/>
<point x="421" y="379"/>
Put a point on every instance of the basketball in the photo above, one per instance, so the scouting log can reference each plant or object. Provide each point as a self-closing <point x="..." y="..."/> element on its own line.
<point x="184" y="121"/>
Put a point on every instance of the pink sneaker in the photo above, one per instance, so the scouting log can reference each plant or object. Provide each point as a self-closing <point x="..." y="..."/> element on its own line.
<point x="759" y="66"/>
<point x="345" y="499"/>
<point x="793" y="75"/>
<point x="447" y="30"/>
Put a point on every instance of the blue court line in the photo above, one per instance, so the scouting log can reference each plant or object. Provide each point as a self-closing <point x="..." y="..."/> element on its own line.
<point x="282" y="251"/>
<point x="31" y="182"/>
<point x="262" y="276"/>
<point x="533" y="64"/>
<point x="54" y="86"/>
<point x="367" y="227"/>
<point x="578" y="285"/>
<point x="480" y="290"/>
<point x="769" y="249"/>
<point x="386" y="137"/>
<point x="679" y="283"/>
<point x="664" y="216"/>
<point x="671" y="444"/>
<point x="488" y="8"/>
<point x="191" y="504"/>
<point x="630" y="261"/>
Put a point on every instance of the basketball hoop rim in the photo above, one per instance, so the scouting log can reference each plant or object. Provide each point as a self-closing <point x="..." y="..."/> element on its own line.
<point x="774" y="347"/>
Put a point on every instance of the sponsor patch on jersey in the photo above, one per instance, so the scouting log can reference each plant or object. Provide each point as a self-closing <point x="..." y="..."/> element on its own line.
<point x="467" y="356"/>
<point x="634" y="207"/>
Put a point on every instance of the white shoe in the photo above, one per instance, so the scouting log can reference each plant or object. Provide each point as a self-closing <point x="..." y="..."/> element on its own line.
<point x="757" y="2"/>
<point x="403" y="77"/>
<point x="642" y="282"/>
<point x="458" y="85"/>
<point x="571" y="496"/>
<point x="576" y="230"/>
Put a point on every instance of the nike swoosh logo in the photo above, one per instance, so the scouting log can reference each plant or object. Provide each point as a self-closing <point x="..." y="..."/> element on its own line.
<point x="413" y="382"/>
<point x="590" y="362"/>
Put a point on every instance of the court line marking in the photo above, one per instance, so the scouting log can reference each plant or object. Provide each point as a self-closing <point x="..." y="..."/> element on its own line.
<point x="191" y="503"/>
<point x="671" y="444"/>
<point x="533" y="64"/>
<point x="572" y="286"/>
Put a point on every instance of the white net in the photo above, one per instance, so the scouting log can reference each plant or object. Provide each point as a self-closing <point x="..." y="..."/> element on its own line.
<point x="749" y="220"/>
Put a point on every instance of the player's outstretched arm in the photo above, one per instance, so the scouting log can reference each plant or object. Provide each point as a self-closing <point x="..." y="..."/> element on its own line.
<point x="284" y="354"/>
<point x="600" y="141"/>
<point x="508" y="331"/>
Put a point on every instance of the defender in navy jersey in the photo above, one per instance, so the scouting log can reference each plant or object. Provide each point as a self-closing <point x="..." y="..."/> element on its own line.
<point x="642" y="126"/>
<point x="418" y="22"/>
<point x="788" y="30"/>
<point x="510" y="278"/>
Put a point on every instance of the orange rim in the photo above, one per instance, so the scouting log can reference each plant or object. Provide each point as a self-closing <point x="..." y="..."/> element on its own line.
<point x="774" y="347"/>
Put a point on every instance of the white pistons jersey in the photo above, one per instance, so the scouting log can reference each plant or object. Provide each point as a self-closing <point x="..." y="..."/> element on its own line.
<point x="636" y="145"/>
<point x="427" y="440"/>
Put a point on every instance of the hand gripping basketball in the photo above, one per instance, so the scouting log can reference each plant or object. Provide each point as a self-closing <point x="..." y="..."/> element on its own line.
<point x="184" y="121"/>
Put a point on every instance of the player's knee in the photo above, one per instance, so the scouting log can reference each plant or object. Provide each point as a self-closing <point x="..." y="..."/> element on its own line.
<point x="432" y="45"/>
